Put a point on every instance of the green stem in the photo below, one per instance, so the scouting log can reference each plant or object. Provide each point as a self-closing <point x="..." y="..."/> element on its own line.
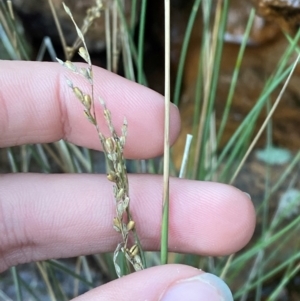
<point x="141" y="42"/>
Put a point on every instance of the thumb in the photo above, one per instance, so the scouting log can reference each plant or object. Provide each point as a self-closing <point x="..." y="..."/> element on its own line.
<point x="170" y="282"/>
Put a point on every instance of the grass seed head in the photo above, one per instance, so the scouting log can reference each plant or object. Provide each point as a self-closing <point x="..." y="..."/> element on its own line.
<point x="112" y="146"/>
<point x="130" y="225"/>
<point x="78" y="93"/>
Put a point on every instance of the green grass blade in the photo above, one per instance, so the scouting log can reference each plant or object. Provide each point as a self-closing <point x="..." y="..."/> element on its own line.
<point x="184" y="49"/>
<point x="141" y="42"/>
<point x="235" y="75"/>
<point x="16" y="283"/>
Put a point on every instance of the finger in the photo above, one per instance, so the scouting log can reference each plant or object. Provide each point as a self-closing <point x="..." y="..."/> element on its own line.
<point x="37" y="107"/>
<point x="53" y="216"/>
<point x="164" y="283"/>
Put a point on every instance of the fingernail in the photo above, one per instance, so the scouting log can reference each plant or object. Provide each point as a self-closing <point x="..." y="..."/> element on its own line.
<point x="203" y="287"/>
<point x="248" y="195"/>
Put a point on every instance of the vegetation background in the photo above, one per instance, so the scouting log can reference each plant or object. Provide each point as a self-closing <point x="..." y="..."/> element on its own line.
<point x="228" y="70"/>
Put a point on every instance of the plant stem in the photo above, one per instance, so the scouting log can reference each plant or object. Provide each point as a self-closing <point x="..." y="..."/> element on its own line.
<point x="165" y="217"/>
<point x="141" y="42"/>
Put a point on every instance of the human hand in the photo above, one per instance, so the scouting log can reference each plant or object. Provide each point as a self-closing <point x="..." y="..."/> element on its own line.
<point x="64" y="215"/>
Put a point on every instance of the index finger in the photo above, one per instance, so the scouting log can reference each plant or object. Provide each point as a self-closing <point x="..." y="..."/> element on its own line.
<point x="38" y="107"/>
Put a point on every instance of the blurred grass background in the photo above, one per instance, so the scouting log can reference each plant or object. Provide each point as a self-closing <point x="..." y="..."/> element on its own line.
<point x="228" y="68"/>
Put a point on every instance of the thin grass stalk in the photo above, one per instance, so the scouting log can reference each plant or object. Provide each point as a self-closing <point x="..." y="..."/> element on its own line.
<point x="57" y="289"/>
<point x="14" y="40"/>
<point x="251" y="117"/>
<point x="87" y="154"/>
<point x="271" y="256"/>
<point x="59" y="29"/>
<point x="76" y="281"/>
<point x="141" y="42"/>
<point x="6" y="41"/>
<point x="291" y="41"/>
<point x="85" y="162"/>
<point x="283" y="283"/>
<point x="108" y="39"/>
<point x="235" y="155"/>
<point x="81" y="261"/>
<point x="10" y="52"/>
<point x="235" y="75"/>
<point x="60" y="266"/>
<point x="269" y="275"/>
<point x="11" y="159"/>
<point x="133" y="14"/>
<point x="165" y="204"/>
<point x="127" y="57"/>
<point x="104" y="262"/>
<point x="42" y="156"/>
<point x="198" y="98"/>
<point x="183" y="53"/>
<point x="212" y="146"/>
<point x="275" y="227"/>
<point x="274" y="253"/>
<point x="260" y="259"/>
<point x="206" y="68"/>
<point x="5" y="31"/>
<point x="226" y="266"/>
<point x="54" y="156"/>
<point x="37" y="154"/>
<point x="46" y="45"/>
<point x="284" y="60"/>
<point x="45" y="276"/>
<point x="253" y="274"/>
<point x="265" y="215"/>
<point x="25" y="155"/>
<point x="115" y="52"/>
<point x="265" y="122"/>
<point x="92" y="13"/>
<point x="29" y="290"/>
<point x="17" y="285"/>
<point x="65" y="156"/>
<point x="271" y="84"/>
<point x="285" y="174"/>
<point x="216" y="54"/>
<point x="86" y="269"/>
<point x="77" y="166"/>
<point x="10" y="28"/>
<point x="131" y="42"/>
<point x="6" y="21"/>
<point x="219" y="29"/>
<point x="123" y="40"/>
<point x="186" y="152"/>
<point x="263" y="244"/>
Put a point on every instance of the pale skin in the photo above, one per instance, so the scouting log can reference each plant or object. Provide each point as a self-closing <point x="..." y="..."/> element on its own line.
<point x="64" y="215"/>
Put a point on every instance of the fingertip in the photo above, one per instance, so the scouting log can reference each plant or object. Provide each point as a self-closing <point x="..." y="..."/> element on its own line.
<point x="242" y="210"/>
<point x="204" y="286"/>
<point x="163" y="283"/>
<point x="221" y="218"/>
<point x="240" y="219"/>
<point x="49" y="111"/>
